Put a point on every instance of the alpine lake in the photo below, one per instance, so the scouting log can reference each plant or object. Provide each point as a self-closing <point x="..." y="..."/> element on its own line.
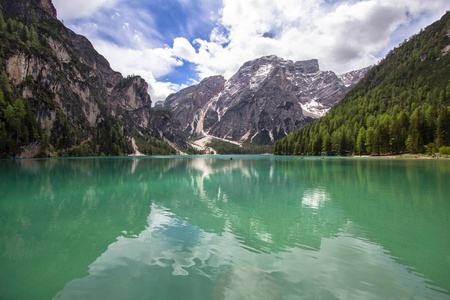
<point x="208" y="227"/>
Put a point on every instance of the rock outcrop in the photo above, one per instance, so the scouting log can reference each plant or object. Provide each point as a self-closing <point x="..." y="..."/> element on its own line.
<point x="190" y="102"/>
<point x="42" y="9"/>
<point x="266" y="99"/>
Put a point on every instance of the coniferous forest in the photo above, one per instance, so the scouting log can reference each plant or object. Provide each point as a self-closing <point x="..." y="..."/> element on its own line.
<point x="400" y="106"/>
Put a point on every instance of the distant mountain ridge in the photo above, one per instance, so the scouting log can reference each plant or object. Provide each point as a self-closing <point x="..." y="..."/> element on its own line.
<point x="81" y="105"/>
<point x="265" y="100"/>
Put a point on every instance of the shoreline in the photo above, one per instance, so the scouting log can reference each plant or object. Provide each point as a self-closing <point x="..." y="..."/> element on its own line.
<point x="402" y="156"/>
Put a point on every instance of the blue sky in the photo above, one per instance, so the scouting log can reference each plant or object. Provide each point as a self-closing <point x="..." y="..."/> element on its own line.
<point x="175" y="43"/>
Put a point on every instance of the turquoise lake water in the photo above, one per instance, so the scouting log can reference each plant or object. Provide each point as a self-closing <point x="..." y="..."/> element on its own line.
<point x="207" y="227"/>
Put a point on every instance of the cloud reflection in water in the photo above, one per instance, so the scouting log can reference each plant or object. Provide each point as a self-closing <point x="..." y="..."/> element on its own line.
<point x="344" y="267"/>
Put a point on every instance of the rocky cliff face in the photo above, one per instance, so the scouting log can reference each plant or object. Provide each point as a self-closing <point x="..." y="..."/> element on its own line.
<point x="42" y="9"/>
<point x="350" y="79"/>
<point x="64" y="75"/>
<point x="266" y="99"/>
<point x="189" y="103"/>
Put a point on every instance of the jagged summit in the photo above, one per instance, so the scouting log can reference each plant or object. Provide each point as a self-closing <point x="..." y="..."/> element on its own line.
<point x="305" y="66"/>
<point x="351" y="78"/>
<point x="259" y="68"/>
<point x="266" y="99"/>
<point x="29" y="9"/>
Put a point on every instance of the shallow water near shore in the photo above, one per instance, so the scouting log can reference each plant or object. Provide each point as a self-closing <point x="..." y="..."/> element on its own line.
<point x="207" y="227"/>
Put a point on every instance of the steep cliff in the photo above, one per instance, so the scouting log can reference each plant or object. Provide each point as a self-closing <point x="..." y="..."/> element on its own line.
<point x="266" y="99"/>
<point x="189" y="103"/>
<point x="69" y="87"/>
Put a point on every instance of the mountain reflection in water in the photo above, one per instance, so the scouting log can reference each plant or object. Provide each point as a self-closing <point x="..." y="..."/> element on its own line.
<point x="195" y="227"/>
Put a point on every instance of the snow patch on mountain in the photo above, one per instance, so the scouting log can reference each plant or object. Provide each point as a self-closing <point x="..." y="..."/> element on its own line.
<point x="260" y="75"/>
<point x="351" y="78"/>
<point x="314" y="109"/>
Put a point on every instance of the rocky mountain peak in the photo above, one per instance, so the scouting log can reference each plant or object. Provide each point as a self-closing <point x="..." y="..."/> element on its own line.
<point x="188" y="102"/>
<point x="46" y="6"/>
<point x="307" y="66"/>
<point x="266" y="99"/>
<point x="28" y="9"/>
<point x="351" y="78"/>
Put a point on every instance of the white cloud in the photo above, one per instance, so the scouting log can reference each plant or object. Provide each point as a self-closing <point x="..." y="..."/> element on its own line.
<point x="159" y="91"/>
<point x="343" y="36"/>
<point x="69" y="10"/>
<point x="148" y="63"/>
<point x="183" y="49"/>
<point x="218" y="37"/>
<point x="158" y="61"/>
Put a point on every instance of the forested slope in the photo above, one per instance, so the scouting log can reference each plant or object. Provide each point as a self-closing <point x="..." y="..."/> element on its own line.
<point x="401" y="105"/>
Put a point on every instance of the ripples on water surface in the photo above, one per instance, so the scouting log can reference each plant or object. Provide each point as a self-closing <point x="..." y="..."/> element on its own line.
<point x="255" y="227"/>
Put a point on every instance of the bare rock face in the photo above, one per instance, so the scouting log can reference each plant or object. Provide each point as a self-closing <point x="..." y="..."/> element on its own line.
<point x="265" y="100"/>
<point x="29" y="9"/>
<point x="351" y="78"/>
<point x="189" y="102"/>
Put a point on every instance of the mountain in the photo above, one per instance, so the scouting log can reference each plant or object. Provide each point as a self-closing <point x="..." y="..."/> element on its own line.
<point x="60" y="97"/>
<point x="189" y="102"/>
<point x="266" y="99"/>
<point x="401" y="105"/>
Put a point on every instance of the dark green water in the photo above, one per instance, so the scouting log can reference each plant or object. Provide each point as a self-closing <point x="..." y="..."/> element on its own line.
<point x="256" y="227"/>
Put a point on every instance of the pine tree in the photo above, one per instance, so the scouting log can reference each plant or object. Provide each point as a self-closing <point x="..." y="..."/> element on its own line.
<point x="342" y="143"/>
<point x="443" y="128"/>
<point x="370" y="140"/>
<point x="397" y="139"/>
<point x="4" y="84"/>
<point x="11" y="26"/>
<point x="34" y="39"/>
<point x="2" y="22"/>
<point x="383" y="138"/>
<point x="317" y="145"/>
<point x="19" y="109"/>
<point x="3" y="103"/>
<point x="326" y="145"/>
<point x="360" y="141"/>
<point x="11" y="118"/>
<point x="415" y="141"/>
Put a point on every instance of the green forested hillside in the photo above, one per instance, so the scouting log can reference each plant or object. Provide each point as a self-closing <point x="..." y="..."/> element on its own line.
<point x="223" y="147"/>
<point x="401" y="105"/>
